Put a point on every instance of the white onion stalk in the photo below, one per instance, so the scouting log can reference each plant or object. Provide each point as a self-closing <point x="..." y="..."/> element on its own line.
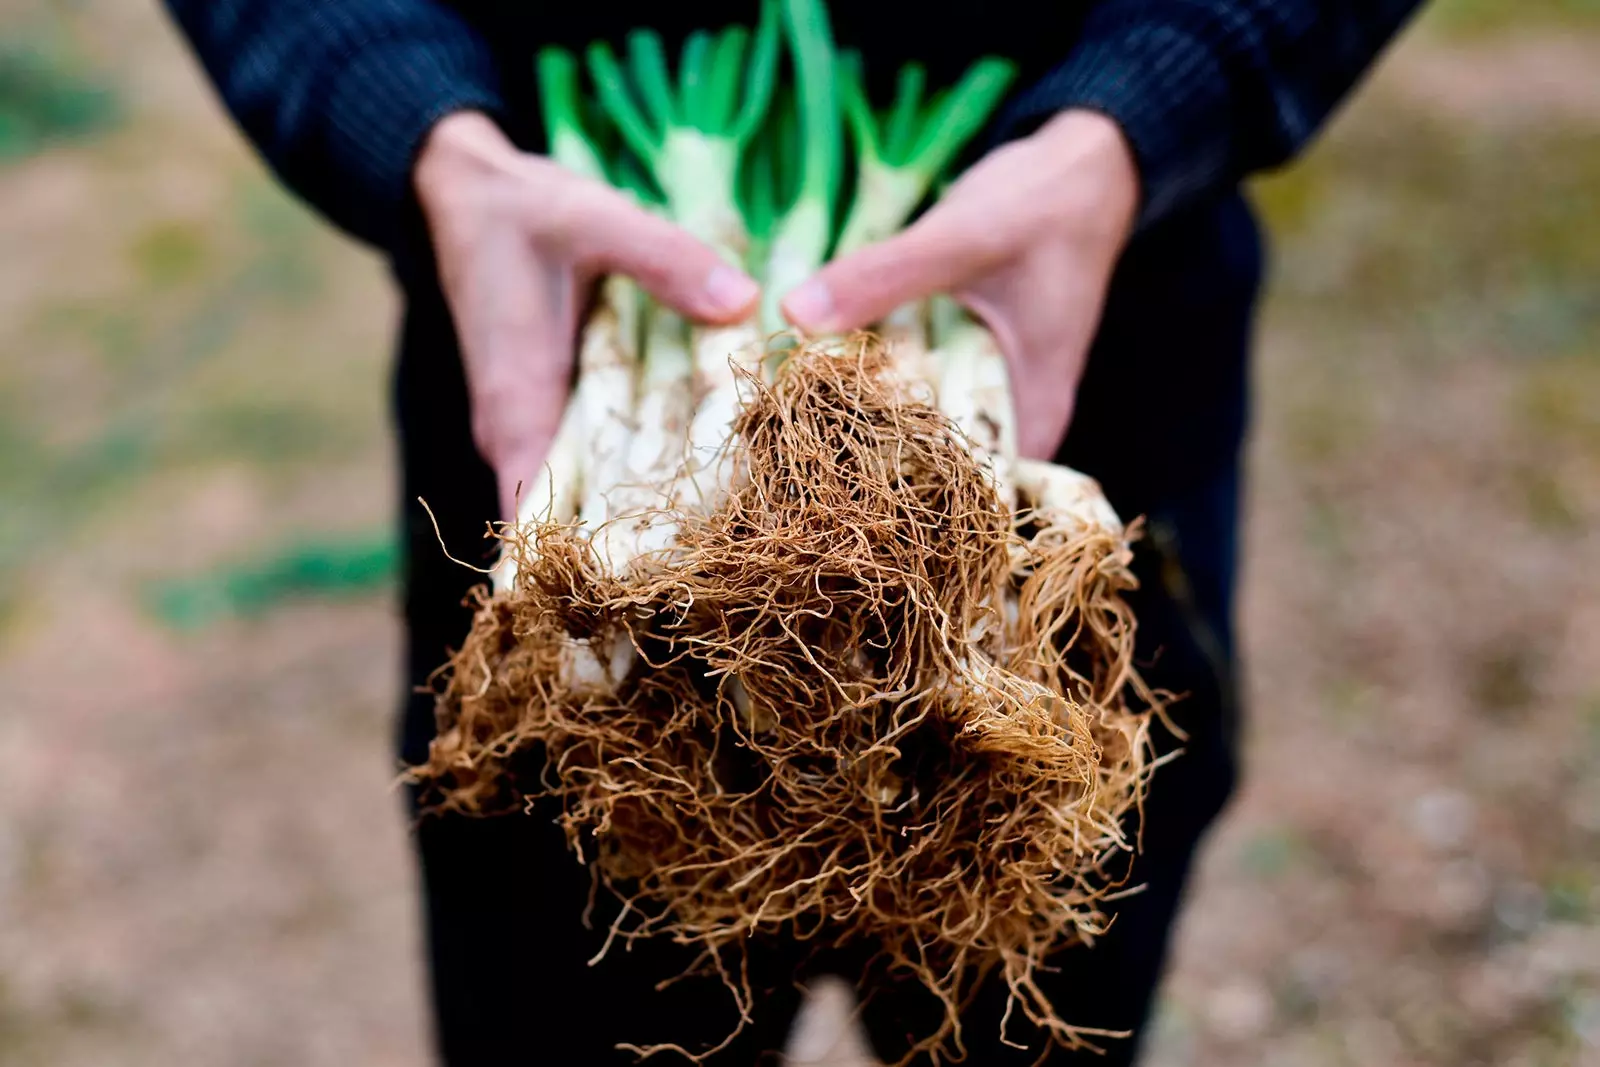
<point x="1005" y="692"/>
<point x="553" y="495"/>
<point x="803" y="228"/>
<point x="641" y="527"/>
<point x="1059" y="497"/>
<point x="583" y="671"/>
<point x="691" y="135"/>
<point x="590" y="445"/>
<point x="607" y="362"/>
<point x="603" y="398"/>
<point x="593" y="442"/>
<point x="905" y="338"/>
<point x="975" y="392"/>
<point x="691" y="139"/>
<point x="900" y="154"/>
<point x="589" y="449"/>
<point x="725" y="361"/>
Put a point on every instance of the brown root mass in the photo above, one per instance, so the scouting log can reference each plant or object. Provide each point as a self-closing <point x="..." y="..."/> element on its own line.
<point x="868" y="704"/>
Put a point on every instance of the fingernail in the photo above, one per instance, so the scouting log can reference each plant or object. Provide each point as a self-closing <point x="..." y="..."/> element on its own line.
<point x="810" y="306"/>
<point x="730" y="290"/>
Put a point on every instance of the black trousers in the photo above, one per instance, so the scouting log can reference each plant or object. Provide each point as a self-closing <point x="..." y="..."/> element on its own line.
<point x="1161" y="417"/>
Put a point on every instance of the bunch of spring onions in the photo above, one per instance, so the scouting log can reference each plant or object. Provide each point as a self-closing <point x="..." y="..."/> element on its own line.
<point x="756" y="174"/>
<point x="795" y="639"/>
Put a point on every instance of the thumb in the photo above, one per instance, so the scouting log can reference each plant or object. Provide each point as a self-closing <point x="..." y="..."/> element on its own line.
<point x="682" y="272"/>
<point x="937" y="254"/>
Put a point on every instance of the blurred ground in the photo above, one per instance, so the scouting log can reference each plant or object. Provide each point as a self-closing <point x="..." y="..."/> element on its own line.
<point x="199" y="859"/>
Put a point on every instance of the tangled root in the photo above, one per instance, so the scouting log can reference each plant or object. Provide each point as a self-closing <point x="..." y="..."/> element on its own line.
<point x="859" y="700"/>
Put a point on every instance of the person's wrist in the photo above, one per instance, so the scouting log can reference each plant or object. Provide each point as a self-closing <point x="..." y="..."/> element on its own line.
<point x="461" y="150"/>
<point x="1096" y="168"/>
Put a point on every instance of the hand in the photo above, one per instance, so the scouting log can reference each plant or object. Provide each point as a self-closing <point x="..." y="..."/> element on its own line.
<point x="520" y="242"/>
<point x="1027" y="240"/>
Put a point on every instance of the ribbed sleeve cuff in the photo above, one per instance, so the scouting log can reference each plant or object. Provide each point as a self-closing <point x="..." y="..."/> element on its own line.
<point x="380" y="106"/>
<point x="1166" y="90"/>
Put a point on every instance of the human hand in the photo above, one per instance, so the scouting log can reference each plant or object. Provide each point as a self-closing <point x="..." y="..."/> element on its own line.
<point x="520" y="241"/>
<point x="1027" y="240"/>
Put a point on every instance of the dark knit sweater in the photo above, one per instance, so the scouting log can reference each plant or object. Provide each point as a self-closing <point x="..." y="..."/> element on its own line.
<point x="338" y="94"/>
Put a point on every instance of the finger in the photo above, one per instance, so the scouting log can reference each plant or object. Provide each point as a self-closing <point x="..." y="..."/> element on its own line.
<point x="1043" y="417"/>
<point x="514" y="423"/>
<point x="935" y="255"/>
<point x="612" y="235"/>
<point x="517" y="347"/>
<point x="1044" y="333"/>
<point x="520" y="481"/>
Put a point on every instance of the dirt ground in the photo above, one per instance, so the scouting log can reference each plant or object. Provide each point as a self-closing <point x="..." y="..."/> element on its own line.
<point x="200" y="858"/>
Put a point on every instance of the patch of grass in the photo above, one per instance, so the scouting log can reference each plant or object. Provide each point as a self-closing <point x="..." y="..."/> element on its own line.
<point x="1559" y="404"/>
<point x="1547" y="503"/>
<point x="152" y="358"/>
<point x="1570" y="895"/>
<point x="315" y="568"/>
<point x="1350" y="701"/>
<point x="47" y="97"/>
<point x="1271" y="854"/>
<point x="28" y="1034"/>
<point x="265" y="434"/>
<point x="281" y="228"/>
<point x="1490" y="16"/>
<point x="171" y="253"/>
<point x="1451" y="237"/>
<point x="1504" y="680"/>
<point x="1582" y="1010"/>
<point x="1326" y="530"/>
<point x="1172" y="1026"/>
<point x="1324" y="428"/>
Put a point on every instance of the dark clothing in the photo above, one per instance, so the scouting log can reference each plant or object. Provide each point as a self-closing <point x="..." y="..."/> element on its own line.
<point x="338" y="95"/>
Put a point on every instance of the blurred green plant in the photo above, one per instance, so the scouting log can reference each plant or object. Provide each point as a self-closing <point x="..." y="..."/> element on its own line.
<point x="1547" y="502"/>
<point x="267" y="434"/>
<point x="155" y="352"/>
<point x="1554" y="404"/>
<point x="1503" y="679"/>
<point x="1493" y="15"/>
<point x="46" y="97"/>
<point x="1272" y="853"/>
<point x="170" y="253"/>
<point x="281" y="228"/>
<point x="320" y="568"/>
<point x="1570" y="895"/>
<point x="1421" y="227"/>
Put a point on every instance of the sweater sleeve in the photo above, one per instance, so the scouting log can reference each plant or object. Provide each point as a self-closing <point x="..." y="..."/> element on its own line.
<point x="1209" y="91"/>
<point x="337" y="95"/>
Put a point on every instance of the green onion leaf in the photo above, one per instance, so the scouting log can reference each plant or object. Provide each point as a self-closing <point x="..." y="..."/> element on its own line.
<point x="900" y="130"/>
<point x="628" y="174"/>
<point x="648" y="63"/>
<point x="856" y="107"/>
<point x="563" y="126"/>
<point x="960" y="114"/>
<point x="784" y="140"/>
<point x="727" y="63"/>
<point x="760" y="202"/>
<point x="811" y="46"/>
<point x="761" y="75"/>
<point x="612" y="85"/>
<point x="694" y="79"/>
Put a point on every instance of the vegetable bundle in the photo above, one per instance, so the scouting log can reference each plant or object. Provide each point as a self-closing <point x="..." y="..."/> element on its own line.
<point x="801" y="645"/>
